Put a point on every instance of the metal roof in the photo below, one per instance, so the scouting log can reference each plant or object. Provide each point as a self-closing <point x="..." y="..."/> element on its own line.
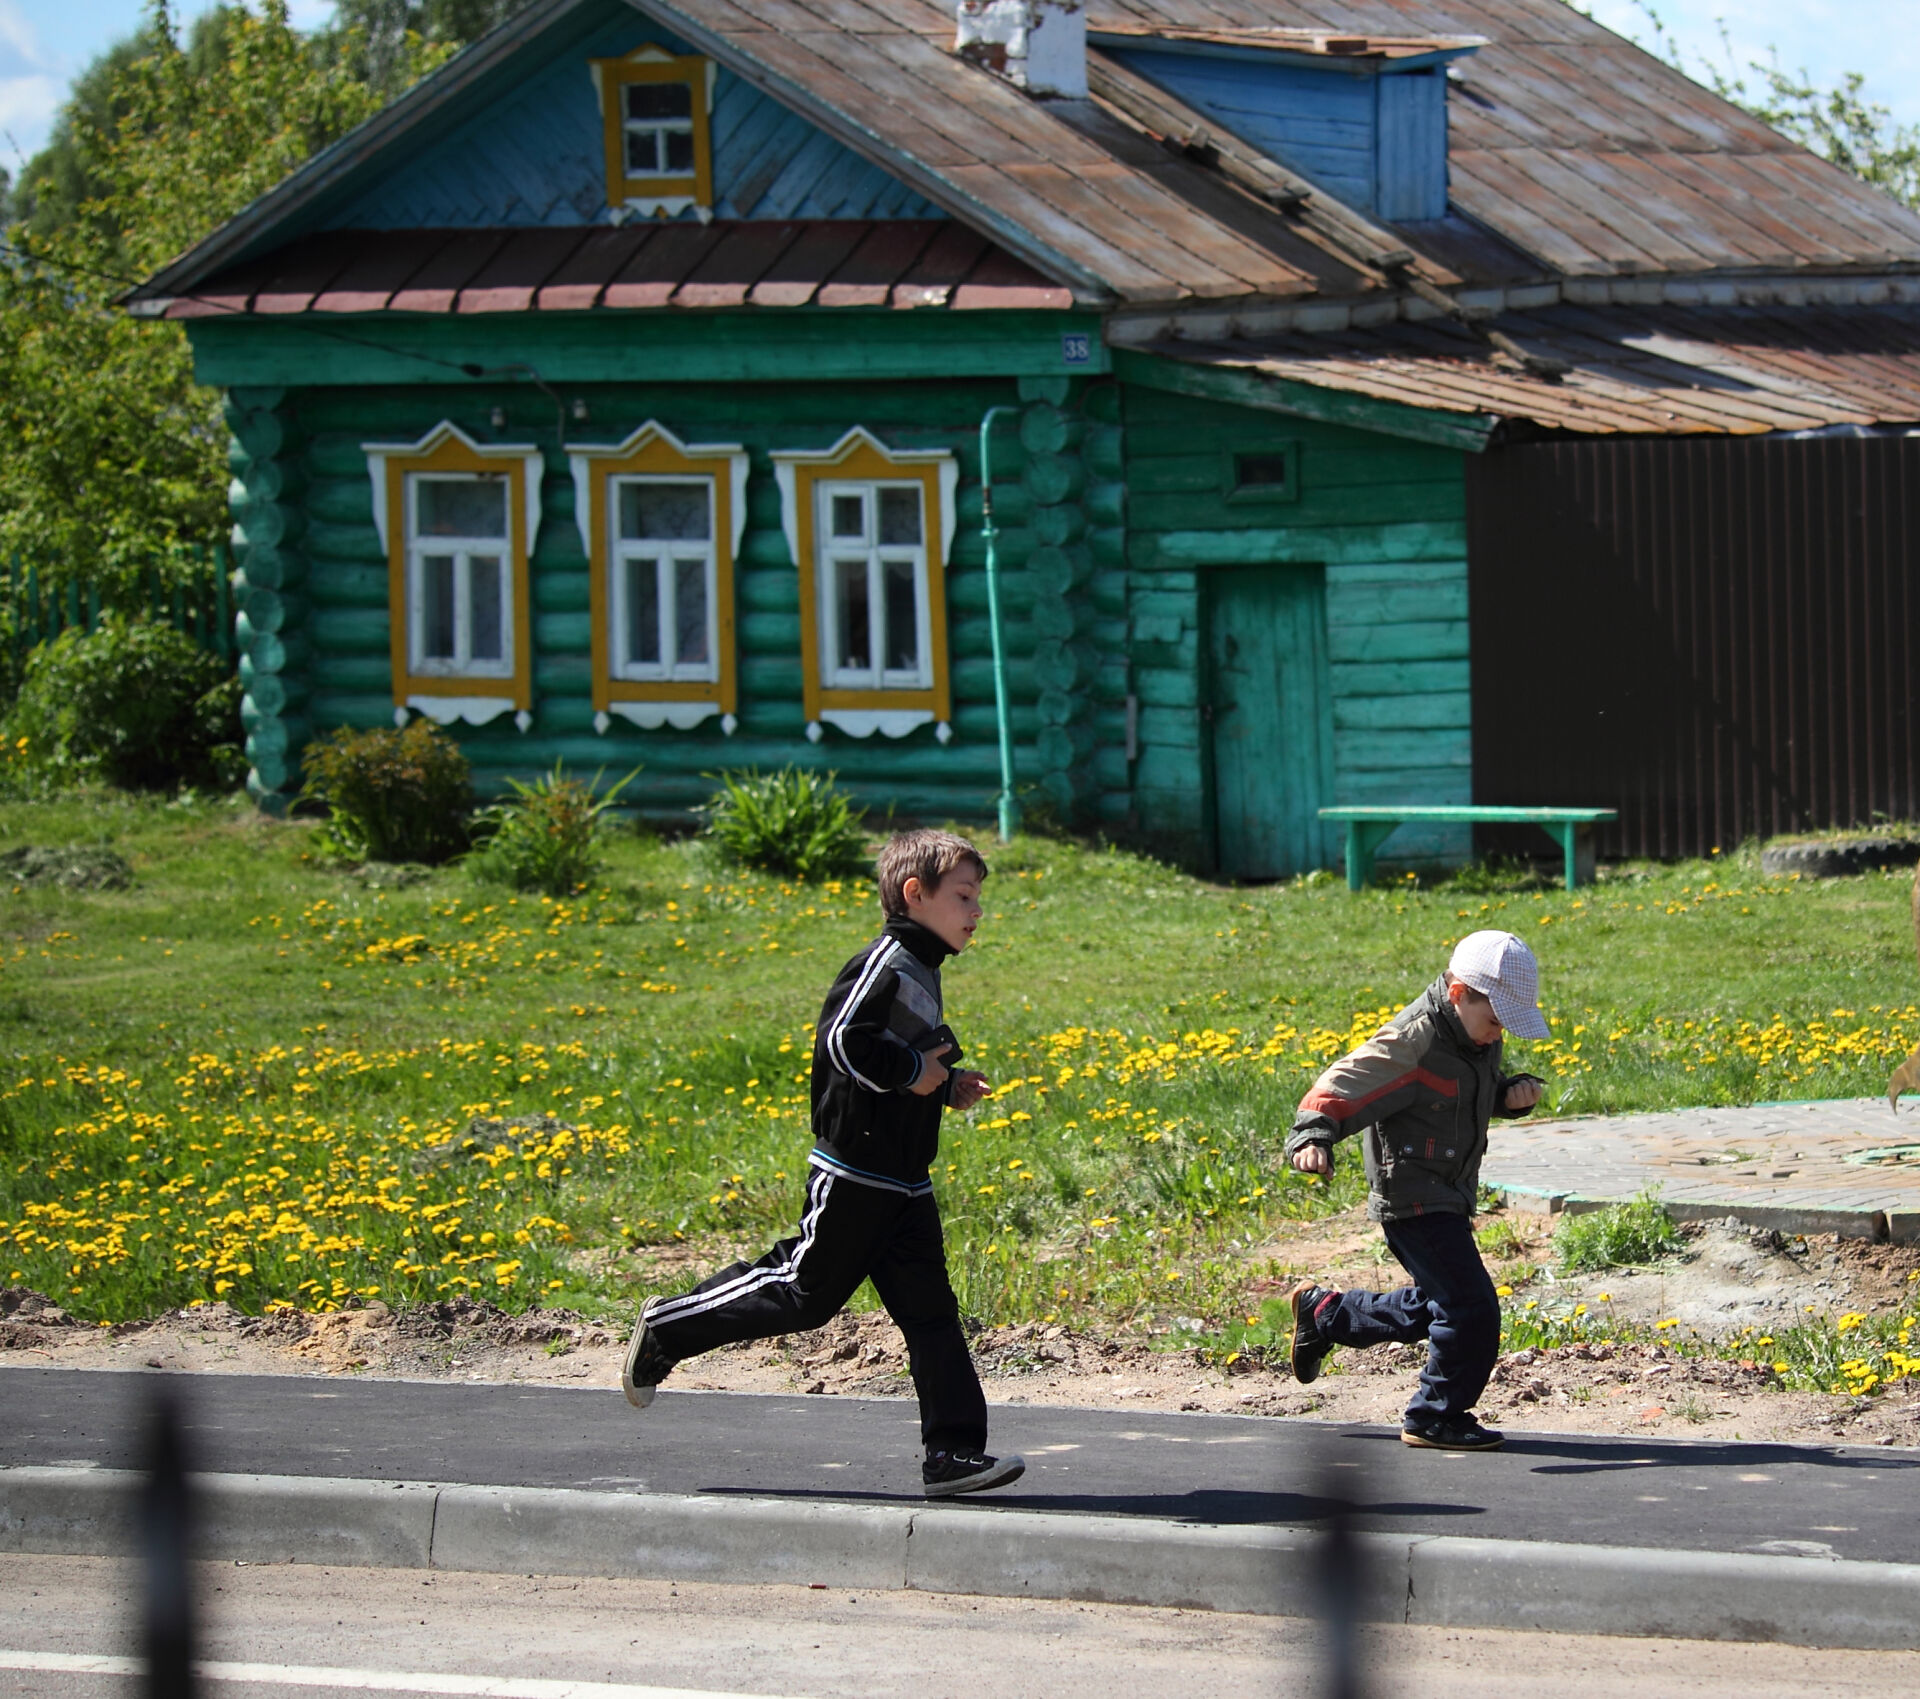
<point x="818" y="263"/>
<point x="1663" y="371"/>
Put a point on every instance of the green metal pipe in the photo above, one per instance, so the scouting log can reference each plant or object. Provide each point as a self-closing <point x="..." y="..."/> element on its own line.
<point x="1009" y="809"/>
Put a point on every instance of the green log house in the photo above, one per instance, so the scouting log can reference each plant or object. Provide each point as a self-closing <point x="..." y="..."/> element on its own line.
<point x="616" y="395"/>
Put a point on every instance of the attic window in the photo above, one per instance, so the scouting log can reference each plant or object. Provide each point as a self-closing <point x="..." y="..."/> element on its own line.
<point x="654" y="106"/>
<point x="1264" y="474"/>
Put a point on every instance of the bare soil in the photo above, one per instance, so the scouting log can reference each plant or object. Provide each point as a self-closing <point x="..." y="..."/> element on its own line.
<point x="1728" y="1278"/>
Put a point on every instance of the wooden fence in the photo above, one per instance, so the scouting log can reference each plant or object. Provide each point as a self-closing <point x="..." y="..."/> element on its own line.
<point x="33" y="613"/>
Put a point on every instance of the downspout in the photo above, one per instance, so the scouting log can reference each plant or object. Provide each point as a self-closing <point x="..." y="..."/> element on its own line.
<point x="1009" y="809"/>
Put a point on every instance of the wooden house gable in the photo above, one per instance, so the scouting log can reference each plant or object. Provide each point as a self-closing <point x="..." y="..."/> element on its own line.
<point x="534" y="154"/>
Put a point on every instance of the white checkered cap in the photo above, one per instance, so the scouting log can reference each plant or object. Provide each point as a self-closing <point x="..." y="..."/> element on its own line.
<point x="1502" y="969"/>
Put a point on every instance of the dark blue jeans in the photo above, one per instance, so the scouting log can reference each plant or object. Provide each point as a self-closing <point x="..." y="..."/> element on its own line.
<point x="1451" y="1305"/>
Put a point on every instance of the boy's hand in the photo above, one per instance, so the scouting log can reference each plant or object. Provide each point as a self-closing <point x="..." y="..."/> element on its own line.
<point x="933" y="1071"/>
<point x="1313" y="1159"/>
<point x="968" y="1088"/>
<point x="1524" y="1094"/>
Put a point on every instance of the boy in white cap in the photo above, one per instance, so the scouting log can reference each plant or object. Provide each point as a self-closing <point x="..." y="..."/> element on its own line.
<point x="1422" y="1089"/>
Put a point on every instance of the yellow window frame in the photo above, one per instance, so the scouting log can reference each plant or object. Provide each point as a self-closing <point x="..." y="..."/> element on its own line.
<point x="654" y="64"/>
<point x="655" y="451"/>
<point x="447" y="448"/>
<point x="861" y="455"/>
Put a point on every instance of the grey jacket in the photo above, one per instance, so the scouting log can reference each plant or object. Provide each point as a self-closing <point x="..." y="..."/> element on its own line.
<point x="1422" y="1092"/>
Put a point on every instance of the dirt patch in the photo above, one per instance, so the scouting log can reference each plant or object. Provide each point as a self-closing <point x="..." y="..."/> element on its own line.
<point x="1729" y="1278"/>
<point x="77" y="867"/>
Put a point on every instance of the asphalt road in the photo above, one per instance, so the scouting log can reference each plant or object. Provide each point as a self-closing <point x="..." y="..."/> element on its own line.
<point x="1842" y="1501"/>
<point x="284" y="1631"/>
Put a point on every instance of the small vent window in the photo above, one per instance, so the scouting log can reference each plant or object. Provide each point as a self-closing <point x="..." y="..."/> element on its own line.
<point x="1264" y="474"/>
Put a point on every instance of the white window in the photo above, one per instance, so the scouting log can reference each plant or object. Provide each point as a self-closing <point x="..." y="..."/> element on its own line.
<point x="876" y="630"/>
<point x="459" y="574"/>
<point x="664" y="567"/>
<point x="656" y="120"/>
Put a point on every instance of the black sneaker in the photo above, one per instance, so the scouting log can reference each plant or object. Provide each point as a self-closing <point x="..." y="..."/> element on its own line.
<point x="1452" y="1433"/>
<point x="948" y="1472"/>
<point x="1310" y="1347"/>
<point x="646" y="1365"/>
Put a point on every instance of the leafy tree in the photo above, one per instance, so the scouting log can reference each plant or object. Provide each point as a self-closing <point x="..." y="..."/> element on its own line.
<point x="115" y="461"/>
<point x="379" y="40"/>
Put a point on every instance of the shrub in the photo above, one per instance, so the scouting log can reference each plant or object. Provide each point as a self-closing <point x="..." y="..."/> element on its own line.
<point x="391" y="795"/>
<point x="791" y="822"/>
<point x="137" y="704"/>
<point x="543" y="839"/>
<point x="1619" y="1236"/>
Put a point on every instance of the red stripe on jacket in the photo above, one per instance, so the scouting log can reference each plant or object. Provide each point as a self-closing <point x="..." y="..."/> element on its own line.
<point x="1323" y="1102"/>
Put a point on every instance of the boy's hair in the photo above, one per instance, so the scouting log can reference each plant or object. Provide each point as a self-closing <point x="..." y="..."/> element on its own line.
<point x="925" y="854"/>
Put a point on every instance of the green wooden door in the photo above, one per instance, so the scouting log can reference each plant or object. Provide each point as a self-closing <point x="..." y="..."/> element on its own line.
<point x="1269" y="708"/>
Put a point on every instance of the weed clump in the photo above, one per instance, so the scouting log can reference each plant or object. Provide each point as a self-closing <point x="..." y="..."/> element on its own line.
<point x="544" y="837"/>
<point x="793" y="822"/>
<point x="1620" y="1236"/>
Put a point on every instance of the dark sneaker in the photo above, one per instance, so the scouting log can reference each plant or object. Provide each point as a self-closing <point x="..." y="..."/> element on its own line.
<point x="646" y="1365"/>
<point x="1452" y="1433"/>
<point x="1310" y="1346"/>
<point x="948" y="1472"/>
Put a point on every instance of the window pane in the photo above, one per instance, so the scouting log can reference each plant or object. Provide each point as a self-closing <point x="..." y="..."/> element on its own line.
<point x="489" y="624"/>
<point x="679" y="146"/>
<point x="643" y="153"/>
<point x="669" y="512"/>
<point x="903" y="617"/>
<point x="436" y="608"/>
<point x="690" y="612"/>
<point x="900" y="515"/>
<point x="850" y="516"/>
<point x="850" y="607"/>
<point x="659" y="100"/>
<point x="461" y="507"/>
<point x="643" y="613"/>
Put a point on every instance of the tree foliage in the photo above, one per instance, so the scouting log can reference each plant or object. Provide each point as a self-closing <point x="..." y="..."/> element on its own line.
<point x="116" y="459"/>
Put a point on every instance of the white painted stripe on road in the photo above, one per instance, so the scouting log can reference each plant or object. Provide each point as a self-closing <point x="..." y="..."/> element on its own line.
<point x="376" y="1681"/>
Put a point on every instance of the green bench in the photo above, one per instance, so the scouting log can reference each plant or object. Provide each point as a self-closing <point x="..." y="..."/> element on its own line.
<point x="1368" y="828"/>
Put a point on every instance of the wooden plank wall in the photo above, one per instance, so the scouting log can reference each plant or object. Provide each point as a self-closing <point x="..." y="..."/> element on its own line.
<point x="1386" y="518"/>
<point x="316" y="625"/>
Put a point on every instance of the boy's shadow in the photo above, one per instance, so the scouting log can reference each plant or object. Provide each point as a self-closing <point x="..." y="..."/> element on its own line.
<point x="1226" y="1506"/>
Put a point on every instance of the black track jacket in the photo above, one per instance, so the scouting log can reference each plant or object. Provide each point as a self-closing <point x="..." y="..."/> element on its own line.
<point x="882" y="1013"/>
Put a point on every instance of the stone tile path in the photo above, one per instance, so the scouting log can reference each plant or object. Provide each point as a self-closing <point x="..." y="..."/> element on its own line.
<point x="1850" y="1167"/>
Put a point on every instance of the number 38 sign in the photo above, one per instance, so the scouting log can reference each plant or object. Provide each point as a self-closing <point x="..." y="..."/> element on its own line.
<point x="1076" y="348"/>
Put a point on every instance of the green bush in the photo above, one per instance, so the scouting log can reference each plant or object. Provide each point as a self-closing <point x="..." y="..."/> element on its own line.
<point x="133" y="703"/>
<point x="542" y="839"/>
<point x="391" y="795"/>
<point x="792" y="822"/>
<point x="1620" y="1236"/>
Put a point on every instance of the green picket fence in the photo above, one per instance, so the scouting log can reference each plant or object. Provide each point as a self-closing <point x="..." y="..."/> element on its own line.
<point x="37" y="613"/>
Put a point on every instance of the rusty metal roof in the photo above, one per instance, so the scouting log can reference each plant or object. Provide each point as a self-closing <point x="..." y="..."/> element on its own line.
<point x="821" y="263"/>
<point x="1663" y="371"/>
<point x="1589" y="153"/>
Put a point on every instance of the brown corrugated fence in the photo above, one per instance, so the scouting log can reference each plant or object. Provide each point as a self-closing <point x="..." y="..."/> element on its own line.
<point x="1716" y="637"/>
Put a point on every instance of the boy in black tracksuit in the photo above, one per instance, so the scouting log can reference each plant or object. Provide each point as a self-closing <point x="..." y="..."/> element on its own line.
<point x="882" y="1075"/>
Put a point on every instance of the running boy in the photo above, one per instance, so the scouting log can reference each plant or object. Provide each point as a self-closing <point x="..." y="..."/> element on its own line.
<point x="1422" y="1088"/>
<point x="883" y="1071"/>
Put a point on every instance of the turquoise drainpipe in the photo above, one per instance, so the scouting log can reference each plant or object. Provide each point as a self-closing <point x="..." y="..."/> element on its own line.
<point x="1009" y="809"/>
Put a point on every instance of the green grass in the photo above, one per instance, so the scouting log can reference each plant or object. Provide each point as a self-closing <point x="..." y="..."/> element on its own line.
<point x="283" y="1058"/>
<point x="1619" y="1236"/>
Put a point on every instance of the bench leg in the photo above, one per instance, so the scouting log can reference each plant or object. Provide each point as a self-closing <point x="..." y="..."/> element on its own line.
<point x="1576" y="853"/>
<point x="1363" y="838"/>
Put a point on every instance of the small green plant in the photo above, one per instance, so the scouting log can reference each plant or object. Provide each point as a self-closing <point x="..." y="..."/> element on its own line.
<point x="391" y="795"/>
<point x="133" y="703"/>
<point x="543" y="837"/>
<point x="1500" y="1240"/>
<point x="792" y="822"/>
<point x="1622" y="1235"/>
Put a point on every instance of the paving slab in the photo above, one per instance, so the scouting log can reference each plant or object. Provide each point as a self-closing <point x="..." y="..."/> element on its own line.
<point x="1849" y="1166"/>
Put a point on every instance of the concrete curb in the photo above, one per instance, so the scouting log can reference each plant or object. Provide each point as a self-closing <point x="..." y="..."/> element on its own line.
<point x="980" y="1549"/>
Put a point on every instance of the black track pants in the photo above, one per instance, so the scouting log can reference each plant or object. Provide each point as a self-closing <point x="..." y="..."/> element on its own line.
<point x="848" y="1233"/>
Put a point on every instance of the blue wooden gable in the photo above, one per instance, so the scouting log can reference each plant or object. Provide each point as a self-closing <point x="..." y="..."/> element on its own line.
<point x="534" y="156"/>
<point x="1371" y="134"/>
